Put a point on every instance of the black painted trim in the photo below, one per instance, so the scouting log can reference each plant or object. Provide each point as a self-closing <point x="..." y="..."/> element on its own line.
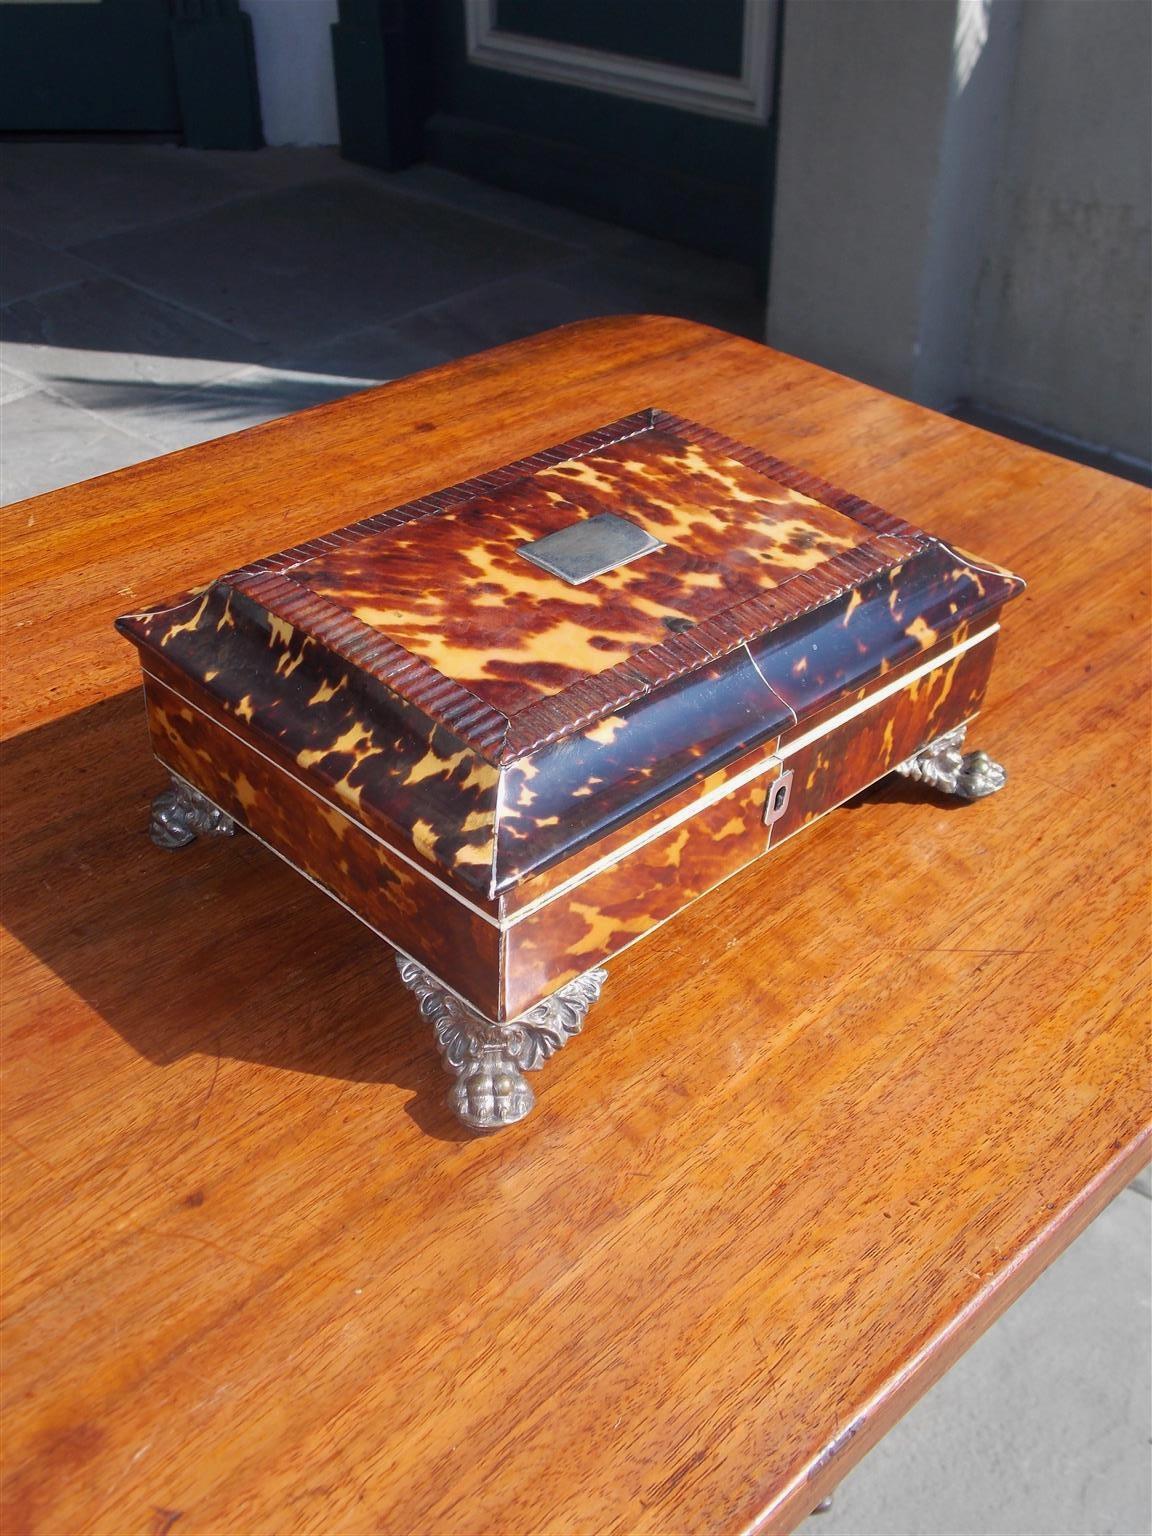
<point x="707" y="214"/>
<point x="87" y="68"/>
<point x="382" y="54"/>
<point x="131" y="66"/>
<point x="215" y="58"/>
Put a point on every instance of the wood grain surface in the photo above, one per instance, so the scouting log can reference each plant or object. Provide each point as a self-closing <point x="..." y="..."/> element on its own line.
<point x="818" y="1133"/>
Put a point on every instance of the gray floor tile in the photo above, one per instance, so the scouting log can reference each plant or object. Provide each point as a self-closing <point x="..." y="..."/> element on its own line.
<point x="391" y="350"/>
<point x="501" y="311"/>
<point x="68" y="192"/>
<point x="308" y="262"/>
<point x="521" y="306"/>
<point x="652" y="277"/>
<point x="30" y="267"/>
<point x="172" y="419"/>
<point x="13" y="385"/>
<point x="280" y="166"/>
<point x="102" y="343"/>
<point x="47" y="443"/>
<point x="1042" y="1428"/>
<point x="508" y="207"/>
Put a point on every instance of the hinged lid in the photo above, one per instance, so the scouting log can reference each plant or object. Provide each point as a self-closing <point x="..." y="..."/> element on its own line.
<point x="501" y="709"/>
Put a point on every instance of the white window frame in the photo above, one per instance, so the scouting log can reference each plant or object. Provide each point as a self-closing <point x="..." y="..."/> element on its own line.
<point x="746" y="99"/>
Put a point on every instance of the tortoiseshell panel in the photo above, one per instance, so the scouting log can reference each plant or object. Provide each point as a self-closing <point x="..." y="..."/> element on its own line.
<point x="360" y="744"/>
<point x="398" y="901"/>
<point x="617" y="906"/>
<point x="569" y="795"/>
<point x="533" y="887"/>
<point x="456" y="592"/>
<point x="838" y="765"/>
<point x="497" y="722"/>
<point x="614" y="907"/>
<point x="583" y="786"/>
<point x="273" y="749"/>
<point x="889" y="675"/>
<point x="901" y="614"/>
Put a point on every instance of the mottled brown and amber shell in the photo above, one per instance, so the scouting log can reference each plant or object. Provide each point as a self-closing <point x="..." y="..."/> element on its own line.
<point x="489" y="729"/>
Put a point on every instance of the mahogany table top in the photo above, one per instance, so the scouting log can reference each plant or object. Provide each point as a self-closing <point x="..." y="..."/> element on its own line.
<point x="821" y="1130"/>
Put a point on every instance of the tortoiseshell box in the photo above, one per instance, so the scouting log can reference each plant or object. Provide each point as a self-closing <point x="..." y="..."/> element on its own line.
<point x="511" y="773"/>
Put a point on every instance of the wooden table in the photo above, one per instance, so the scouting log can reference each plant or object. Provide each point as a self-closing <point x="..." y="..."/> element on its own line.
<point x="827" y="1125"/>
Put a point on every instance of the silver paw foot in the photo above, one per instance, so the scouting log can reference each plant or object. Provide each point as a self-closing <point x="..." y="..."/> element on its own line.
<point x="489" y="1059"/>
<point x="181" y="814"/>
<point x="944" y="766"/>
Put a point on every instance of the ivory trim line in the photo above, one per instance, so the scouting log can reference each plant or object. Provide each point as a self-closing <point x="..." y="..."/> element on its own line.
<point x="328" y="891"/>
<point x="862" y="706"/>
<point x="288" y="774"/>
<point x="738" y="781"/>
<point x="761" y="769"/>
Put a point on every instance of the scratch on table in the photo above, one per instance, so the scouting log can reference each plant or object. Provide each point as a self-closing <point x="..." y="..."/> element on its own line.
<point x="957" y="949"/>
<point x="204" y="1242"/>
<point x="211" y="1088"/>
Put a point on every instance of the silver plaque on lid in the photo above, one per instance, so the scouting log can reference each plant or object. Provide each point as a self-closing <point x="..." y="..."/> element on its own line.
<point x="590" y="547"/>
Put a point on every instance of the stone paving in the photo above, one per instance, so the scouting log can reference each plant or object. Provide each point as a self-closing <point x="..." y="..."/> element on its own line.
<point x="154" y="297"/>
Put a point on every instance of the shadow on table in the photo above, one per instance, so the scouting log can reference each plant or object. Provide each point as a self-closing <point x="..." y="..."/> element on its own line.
<point x="894" y="790"/>
<point x="218" y="948"/>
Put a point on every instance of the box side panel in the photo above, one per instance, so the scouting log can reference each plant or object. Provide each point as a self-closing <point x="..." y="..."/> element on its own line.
<point x="891" y="672"/>
<point x="273" y="748"/>
<point x="399" y="902"/>
<point x="353" y="737"/>
<point x="576" y="790"/>
<point x="850" y="756"/>
<point x="614" y="844"/>
<point x="573" y="929"/>
<point x="585" y="786"/>
<point x="616" y="906"/>
<point x="822" y="657"/>
<point x="533" y="888"/>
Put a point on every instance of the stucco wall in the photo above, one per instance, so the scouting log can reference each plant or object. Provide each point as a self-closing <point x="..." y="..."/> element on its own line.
<point x="962" y="205"/>
<point x="293" y="41"/>
<point x="1063" y="335"/>
<point x="861" y="118"/>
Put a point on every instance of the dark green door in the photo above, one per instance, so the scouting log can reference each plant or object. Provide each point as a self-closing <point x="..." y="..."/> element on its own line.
<point x="652" y="113"/>
<point x="179" y="67"/>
